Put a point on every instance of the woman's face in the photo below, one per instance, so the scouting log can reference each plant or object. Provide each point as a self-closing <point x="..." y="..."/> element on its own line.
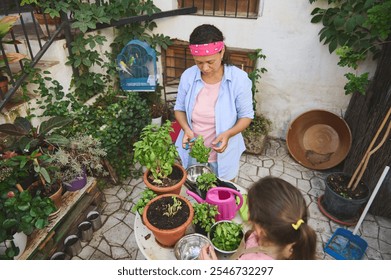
<point x="209" y="65"/>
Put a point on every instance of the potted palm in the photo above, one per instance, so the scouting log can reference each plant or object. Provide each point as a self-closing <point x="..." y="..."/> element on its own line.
<point x="168" y="216"/>
<point x="156" y="151"/>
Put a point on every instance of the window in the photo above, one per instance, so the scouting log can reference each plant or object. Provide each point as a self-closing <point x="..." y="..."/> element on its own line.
<point x="177" y="58"/>
<point x="224" y="8"/>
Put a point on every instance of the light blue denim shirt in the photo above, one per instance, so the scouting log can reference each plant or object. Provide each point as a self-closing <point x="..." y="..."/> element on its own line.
<point x="234" y="102"/>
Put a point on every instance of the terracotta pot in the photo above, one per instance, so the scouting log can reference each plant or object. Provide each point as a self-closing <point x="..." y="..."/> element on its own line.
<point x="52" y="23"/>
<point x="3" y="86"/>
<point x="168" y="237"/>
<point x="175" y="189"/>
<point x="57" y="197"/>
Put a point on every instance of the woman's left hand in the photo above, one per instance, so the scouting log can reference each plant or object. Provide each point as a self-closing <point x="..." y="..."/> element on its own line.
<point x="221" y="142"/>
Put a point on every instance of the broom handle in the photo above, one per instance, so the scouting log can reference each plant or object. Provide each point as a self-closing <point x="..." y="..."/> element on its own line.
<point x="378" y="185"/>
<point x="369" y="155"/>
<point x="359" y="167"/>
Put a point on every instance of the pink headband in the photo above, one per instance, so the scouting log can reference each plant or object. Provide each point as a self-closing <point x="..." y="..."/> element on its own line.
<point x="206" y="49"/>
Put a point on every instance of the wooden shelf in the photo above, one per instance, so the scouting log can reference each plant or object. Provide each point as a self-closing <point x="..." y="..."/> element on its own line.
<point x="42" y="243"/>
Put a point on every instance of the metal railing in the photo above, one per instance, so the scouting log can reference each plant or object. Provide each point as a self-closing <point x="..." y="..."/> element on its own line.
<point x="224" y="8"/>
<point x="26" y="33"/>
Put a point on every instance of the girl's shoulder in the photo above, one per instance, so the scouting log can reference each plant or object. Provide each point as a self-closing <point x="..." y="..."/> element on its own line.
<point x="251" y="242"/>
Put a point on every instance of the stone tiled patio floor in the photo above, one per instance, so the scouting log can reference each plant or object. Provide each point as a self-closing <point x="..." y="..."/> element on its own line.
<point x="116" y="240"/>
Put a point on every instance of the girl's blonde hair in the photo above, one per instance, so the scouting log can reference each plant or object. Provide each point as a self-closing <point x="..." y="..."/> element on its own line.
<point x="280" y="210"/>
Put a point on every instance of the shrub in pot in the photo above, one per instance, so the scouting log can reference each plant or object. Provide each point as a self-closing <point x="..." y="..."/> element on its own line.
<point x="156" y="151"/>
<point x="168" y="216"/>
<point x="343" y="203"/>
<point x="82" y="156"/>
<point x="255" y="135"/>
<point x="21" y="212"/>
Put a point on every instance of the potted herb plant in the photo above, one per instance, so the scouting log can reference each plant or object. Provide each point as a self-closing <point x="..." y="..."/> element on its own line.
<point x="204" y="217"/>
<point x="168" y="216"/>
<point x="156" y="151"/>
<point x="205" y="182"/>
<point x="145" y="197"/>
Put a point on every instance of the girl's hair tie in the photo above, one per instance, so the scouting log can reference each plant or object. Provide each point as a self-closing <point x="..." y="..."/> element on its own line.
<point x="298" y="224"/>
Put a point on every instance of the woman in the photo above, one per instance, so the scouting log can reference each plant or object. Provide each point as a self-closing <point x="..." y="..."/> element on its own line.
<point x="215" y="101"/>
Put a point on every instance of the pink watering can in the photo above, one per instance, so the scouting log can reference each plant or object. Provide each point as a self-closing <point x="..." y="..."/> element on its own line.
<point x="225" y="200"/>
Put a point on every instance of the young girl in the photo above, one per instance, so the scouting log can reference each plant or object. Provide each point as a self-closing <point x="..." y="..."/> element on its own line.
<point x="279" y="215"/>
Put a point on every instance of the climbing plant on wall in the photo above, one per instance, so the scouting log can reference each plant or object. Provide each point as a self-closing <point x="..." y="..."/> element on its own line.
<point x="354" y="30"/>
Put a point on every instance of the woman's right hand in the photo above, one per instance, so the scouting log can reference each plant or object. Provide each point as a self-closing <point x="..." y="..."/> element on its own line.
<point x="187" y="136"/>
<point x="207" y="253"/>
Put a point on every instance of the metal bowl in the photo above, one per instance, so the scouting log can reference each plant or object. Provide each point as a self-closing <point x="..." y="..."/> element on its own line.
<point x="211" y="235"/>
<point x="196" y="170"/>
<point x="189" y="246"/>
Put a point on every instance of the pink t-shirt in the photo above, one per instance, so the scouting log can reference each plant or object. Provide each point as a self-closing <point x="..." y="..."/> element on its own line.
<point x="203" y="117"/>
<point x="252" y="241"/>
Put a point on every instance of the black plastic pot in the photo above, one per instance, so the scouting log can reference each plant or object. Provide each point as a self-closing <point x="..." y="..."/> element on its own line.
<point x="344" y="208"/>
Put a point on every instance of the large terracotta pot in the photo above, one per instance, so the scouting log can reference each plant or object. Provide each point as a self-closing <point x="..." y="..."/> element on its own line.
<point x="175" y="189"/>
<point x="168" y="237"/>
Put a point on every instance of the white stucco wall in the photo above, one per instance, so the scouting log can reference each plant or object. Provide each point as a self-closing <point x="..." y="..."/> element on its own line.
<point x="302" y="75"/>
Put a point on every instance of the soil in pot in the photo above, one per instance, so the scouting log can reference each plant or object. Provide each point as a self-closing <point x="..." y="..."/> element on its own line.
<point x="342" y="203"/>
<point x="174" y="178"/>
<point x="156" y="217"/>
<point x="338" y="183"/>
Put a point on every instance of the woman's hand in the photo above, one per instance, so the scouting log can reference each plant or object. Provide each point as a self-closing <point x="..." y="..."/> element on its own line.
<point x="207" y="253"/>
<point x="187" y="136"/>
<point x="221" y="142"/>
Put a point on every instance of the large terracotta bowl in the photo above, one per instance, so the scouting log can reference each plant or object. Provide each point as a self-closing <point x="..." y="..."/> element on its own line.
<point x="319" y="139"/>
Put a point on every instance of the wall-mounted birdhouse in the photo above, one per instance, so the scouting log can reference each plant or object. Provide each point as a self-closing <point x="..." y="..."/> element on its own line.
<point x="137" y="67"/>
